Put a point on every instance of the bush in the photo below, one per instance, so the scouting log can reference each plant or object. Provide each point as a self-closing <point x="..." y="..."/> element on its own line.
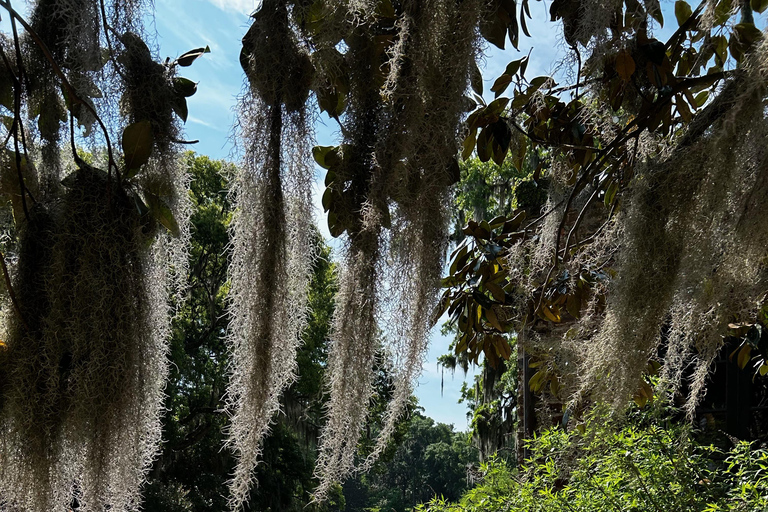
<point x="602" y="466"/>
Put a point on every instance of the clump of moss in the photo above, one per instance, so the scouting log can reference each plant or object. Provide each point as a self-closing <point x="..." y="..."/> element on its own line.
<point x="278" y="70"/>
<point x="149" y="93"/>
<point x="84" y="371"/>
<point x="407" y="70"/>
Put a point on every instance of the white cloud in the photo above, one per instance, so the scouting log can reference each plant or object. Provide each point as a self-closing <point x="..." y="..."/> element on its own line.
<point x="242" y="6"/>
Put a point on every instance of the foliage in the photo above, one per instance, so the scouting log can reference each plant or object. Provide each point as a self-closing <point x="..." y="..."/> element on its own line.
<point x="642" y="464"/>
<point x="428" y="459"/>
<point x="639" y="146"/>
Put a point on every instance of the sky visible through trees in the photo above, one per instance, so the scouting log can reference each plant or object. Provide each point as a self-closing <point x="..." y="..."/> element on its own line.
<point x="221" y="24"/>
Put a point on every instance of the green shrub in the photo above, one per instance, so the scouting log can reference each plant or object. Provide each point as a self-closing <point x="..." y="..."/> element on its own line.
<point x="603" y="466"/>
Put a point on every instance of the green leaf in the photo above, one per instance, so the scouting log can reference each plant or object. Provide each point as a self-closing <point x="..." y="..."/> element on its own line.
<point x="191" y="56"/>
<point x="179" y="105"/>
<point x="625" y="65"/>
<point x="494" y="30"/>
<point x="469" y="144"/>
<point x="137" y="144"/>
<point x="497" y="106"/>
<point x="759" y="5"/>
<point x="501" y="84"/>
<point x="161" y="213"/>
<point x="654" y="9"/>
<point x="320" y="154"/>
<point x="744" y="355"/>
<point x="476" y="79"/>
<point x="184" y="86"/>
<point x="538" y="82"/>
<point x="683" y="11"/>
<point x="327" y="199"/>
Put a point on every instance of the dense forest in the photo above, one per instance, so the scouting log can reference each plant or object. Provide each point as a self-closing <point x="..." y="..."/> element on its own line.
<point x="176" y="334"/>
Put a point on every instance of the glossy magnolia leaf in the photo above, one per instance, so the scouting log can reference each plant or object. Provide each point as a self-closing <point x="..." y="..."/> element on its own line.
<point x="683" y="11"/>
<point x="654" y="9"/>
<point x="320" y="154"/>
<point x="327" y="199"/>
<point x="184" y="86"/>
<point x="179" y="105"/>
<point x="483" y="145"/>
<point x="552" y="313"/>
<point x="748" y="32"/>
<point x="496" y="291"/>
<point x="494" y="30"/>
<point x="191" y="56"/>
<point x="625" y="65"/>
<point x="160" y="211"/>
<point x="469" y="144"/>
<point x="494" y="320"/>
<point x="537" y="82"/>
<point x="137" y="144"/>
<point x="476" y="80"/>
<point x="759" y="5"/>
<point x="501" y="84"/>
<point x="744" y="355"/>
<point x="538" y="380"/>
<point x="497" y="106"/>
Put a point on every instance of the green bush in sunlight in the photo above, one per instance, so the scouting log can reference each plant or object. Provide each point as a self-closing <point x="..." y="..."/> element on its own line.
<point x="646" y="466"/>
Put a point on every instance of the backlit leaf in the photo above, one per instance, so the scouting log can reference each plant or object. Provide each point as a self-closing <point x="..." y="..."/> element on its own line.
<point x="137" y="144"/>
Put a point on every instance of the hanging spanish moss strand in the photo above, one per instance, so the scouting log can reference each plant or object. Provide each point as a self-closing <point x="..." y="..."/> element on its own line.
<point x="355" y="335"/>
<point x="81" y="399"/>
<point x="694" y="249"/>
<point x="87" y="357"/>
<point x="429" y="73"/>
<point x="272" y="237"/>
<point x="351" y="360"/>
<point x="400" y="135"/>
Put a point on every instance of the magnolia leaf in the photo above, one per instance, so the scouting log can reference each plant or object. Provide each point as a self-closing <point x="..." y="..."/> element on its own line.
<point x="476" y="79"/>
<point x="179" y="105"/>
<point x="744" y="355"/>
<point x="552" y="314"/>
<point x="161" y="213"/>
<point x="625" y="65"/>
<point x="493" y="320"/>
<point x="320" y="153"/>
<point x="683" y="11"/>
<point x="137" y="144"/>
<point x="501" y="84"/>
<point x="327" y="199"/>
<point x="191" y="56"/>
<point x="469" y="144"/>
<point x="184" y="86"/>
